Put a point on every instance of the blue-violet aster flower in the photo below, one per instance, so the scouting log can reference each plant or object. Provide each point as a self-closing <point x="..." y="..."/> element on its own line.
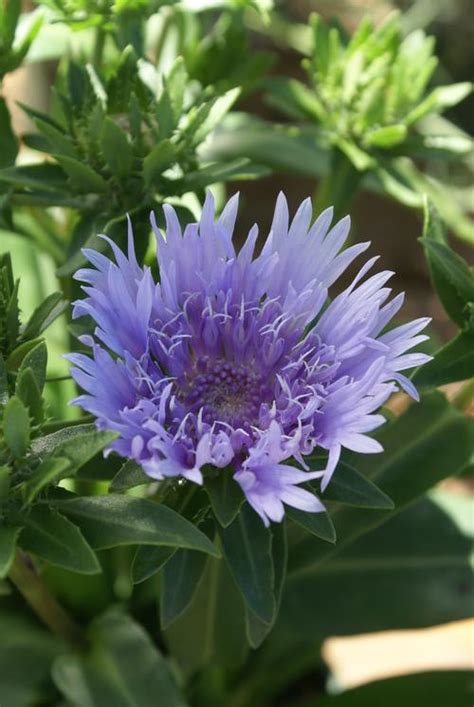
<point x="240" y="360"/>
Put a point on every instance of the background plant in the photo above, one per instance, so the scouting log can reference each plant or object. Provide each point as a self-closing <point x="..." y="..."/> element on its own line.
<point x="144" y="590"/>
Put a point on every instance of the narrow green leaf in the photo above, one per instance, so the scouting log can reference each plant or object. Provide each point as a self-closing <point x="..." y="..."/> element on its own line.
<point x="175" y="84"/>
<point x="50" y="471"/>
<point x="36" y="360"/>
<point x="257" y="630"/>
<point x="124" y="668"/>
<point x="352" y="489"/>
<point x="54" y="538"/>
<point x="130" y="475"/>
<point x="59" y="142"/>
<point x="5" y="482"/>
<point x="439" y="99"/>
<point x="8" y="141"/>
<point x="157" y="161"/>
<point x="66" y="458"/>
<point x="318" y="524"/>
<point x="12" y="317"/>
<point x="247" y="550"/>
<point x="43" y="176"/>
<point x="181" y="577"/>
<point x="209" y="116"/>
<point x="82" y="177"/>
<point x="3" y="381"/>
<point x="359" y="158"/>
<point x="17" y="356"/>
<point x="386" y="137"/>
<point x="149" y="560"/>
<point x="27" y="389"/>
<point x="216" y="615"/>
<point x="225" y="495"/>
<point x="451" y="275"/>
<point x="16" y="427"/>
<point x="8" y="540"/>
<point x="116" y="148"/>
<point x="109" y="521"/>
<point x="453" y="279"/>
<point x="44" y="315"/>
<point x="43" y="446"/>
<point x="453" y="362"/>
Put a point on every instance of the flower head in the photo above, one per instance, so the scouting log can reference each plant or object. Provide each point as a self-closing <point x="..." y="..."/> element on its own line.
<point x="237" y="360"/>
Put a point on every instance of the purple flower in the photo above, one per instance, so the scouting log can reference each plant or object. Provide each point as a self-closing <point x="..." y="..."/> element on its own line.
<point x="241" y="361"/>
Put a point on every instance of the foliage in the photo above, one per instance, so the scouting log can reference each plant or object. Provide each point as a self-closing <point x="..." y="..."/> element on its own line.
<point x="150" y="589"/>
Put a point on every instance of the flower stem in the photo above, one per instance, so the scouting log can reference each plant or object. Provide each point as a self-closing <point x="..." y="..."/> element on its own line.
<point x="99" y="47"/>
<point x="31" y="586"/>
<point x="339" y="187"/>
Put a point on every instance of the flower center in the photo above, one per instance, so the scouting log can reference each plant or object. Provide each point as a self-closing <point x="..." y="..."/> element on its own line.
<point x="225" y="391"/>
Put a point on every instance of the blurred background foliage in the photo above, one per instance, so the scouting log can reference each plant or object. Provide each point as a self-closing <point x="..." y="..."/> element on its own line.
<point x="110" y="107"/>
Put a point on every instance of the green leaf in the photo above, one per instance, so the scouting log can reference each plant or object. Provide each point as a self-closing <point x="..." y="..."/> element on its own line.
<point x="59" y="142"/>
<point x="17" y="357"/>
<point x="175" y="85"/>
<point x="439" y="99"/>
<point x="27" y="389"/>
<point x="123" y="668"/>
<point x="8" y="540"/>
<point x="415" y="568"/>
<point x="83" y="179"/>
<point x="52" y="537"/>
<point x="130" y="475"/>
<point x="5" y="482"/>
<point x="453" y="362"/>
<point x="16" y="427"/>
<point x="46" y="445"/>
<point x="36" y="360"/>
<point x="209" y="116"/>
<point x="386" y="137"/>
<point x="44" y="315"/>
<point x="148" y="560"/>
<point x="116" y="148"/>
<point x="442" y="688"/>
<point x="181" y="577"/>
<point x="216" y="615"/>
<point x="109" y="521"/>
<point x="3" y="382"/>
<point x="8" y="141"/>
<point x="453" y="279"/>
<point x="247" y="550"/>
<point x="48" y="472"/>
<point x="236" y="170"/>
<point x="65" y="459"/>
<point x="359" y="158"/>
<point x="352" y="489"/>
<point x="12" y="320"/>
<point x="157" y="161"/>
<point x="225" y="495"/>
<point x="43" y="176"/>
<point x="26" y="654"/>
<point x="318" y="524"/>
<point x="258" y="630"/>
<point x="281" y="149"/>
<point x="426" y="444"/>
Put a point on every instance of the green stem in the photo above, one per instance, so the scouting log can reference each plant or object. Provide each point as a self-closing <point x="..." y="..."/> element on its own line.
<point x="99" y="47"/>
<point x="31" y="586"/>
<point x="339" y="187"/>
